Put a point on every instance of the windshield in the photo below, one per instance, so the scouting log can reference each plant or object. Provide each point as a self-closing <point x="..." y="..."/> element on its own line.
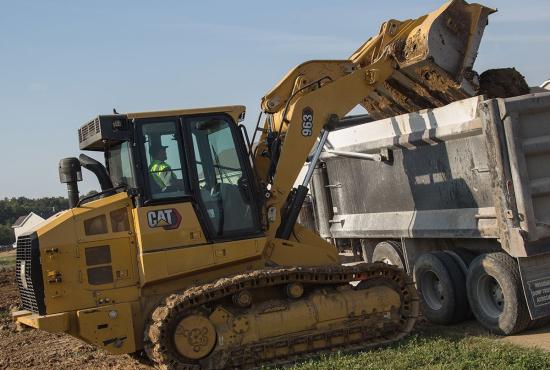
<point x="119" y="165"/>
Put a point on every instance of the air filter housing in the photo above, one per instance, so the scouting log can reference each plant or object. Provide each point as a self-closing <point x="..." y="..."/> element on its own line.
<point x="102" y="130"/>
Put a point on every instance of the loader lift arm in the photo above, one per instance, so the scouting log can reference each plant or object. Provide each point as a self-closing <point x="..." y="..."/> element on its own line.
<point x="299" y="124"/>
<point x="410" y="65"/>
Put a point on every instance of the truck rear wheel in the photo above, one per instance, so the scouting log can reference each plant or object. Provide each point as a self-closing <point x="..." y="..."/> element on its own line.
<point x="442" y="289"/>
<point x="495" y="294"/>
<point x="463" y="258"/>
<point x="389" y="252"/>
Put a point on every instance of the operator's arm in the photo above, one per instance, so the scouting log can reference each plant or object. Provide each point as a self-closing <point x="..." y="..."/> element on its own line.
<point x="168" y="177"/>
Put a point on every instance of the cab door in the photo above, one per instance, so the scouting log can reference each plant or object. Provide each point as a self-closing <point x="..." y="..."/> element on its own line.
<point x="222" y="180"/>
<point x="221" y="177"/>
<point x="169" y="233"/>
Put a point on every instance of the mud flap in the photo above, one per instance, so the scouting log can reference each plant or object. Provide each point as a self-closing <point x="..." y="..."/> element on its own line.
<point x="535" y="277"/>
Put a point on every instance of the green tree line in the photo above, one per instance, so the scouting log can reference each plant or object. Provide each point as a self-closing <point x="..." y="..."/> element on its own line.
<point x="12" y="208"/>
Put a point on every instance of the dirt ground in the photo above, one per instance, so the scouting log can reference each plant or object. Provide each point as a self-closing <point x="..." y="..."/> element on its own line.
<point x="34" y="349"/>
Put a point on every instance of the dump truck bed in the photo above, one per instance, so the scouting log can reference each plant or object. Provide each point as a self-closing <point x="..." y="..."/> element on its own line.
<point x="473" y="169"/>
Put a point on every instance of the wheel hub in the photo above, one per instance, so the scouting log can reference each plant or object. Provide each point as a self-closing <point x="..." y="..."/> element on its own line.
<point x="490" y="296"/>
<point x="195" y="337"/>
<point x="432" y="290"/>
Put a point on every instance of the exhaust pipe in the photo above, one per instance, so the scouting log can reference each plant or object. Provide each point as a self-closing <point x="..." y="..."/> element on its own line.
<point x="99" y="170"/>
<point x="70" y="173"/>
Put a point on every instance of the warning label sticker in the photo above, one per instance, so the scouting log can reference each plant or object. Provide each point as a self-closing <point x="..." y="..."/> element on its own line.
<point x="540" y="291"/>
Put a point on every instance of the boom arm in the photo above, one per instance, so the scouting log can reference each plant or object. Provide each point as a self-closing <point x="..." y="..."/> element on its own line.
<point x="301" y="122"/>
<point x="410" y="65"/>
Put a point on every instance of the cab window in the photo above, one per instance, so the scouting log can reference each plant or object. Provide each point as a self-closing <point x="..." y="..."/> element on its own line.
<point x="119" y="165"/>
<point x="222" y="183"/>
<point x="164" y="172"/>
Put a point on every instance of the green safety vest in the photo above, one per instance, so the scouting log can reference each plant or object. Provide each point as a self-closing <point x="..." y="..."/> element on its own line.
<point x="157" y="168"/>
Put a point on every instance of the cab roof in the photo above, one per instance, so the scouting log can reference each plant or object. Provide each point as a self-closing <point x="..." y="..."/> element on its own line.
<point x="113" y="129"/>
<point x="234" y="111"/>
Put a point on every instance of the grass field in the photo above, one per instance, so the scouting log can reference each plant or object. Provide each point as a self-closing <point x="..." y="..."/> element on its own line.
<point x="437" y="351"/>
<point x="7" y="258"/>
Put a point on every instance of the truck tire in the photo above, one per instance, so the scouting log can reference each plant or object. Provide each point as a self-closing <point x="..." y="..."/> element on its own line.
<point x="364" y="253"/>
<point x="442" y="288"/>
<point x="389" y="252"/>
<point x="367" y="249"/>
<point x="495" y="294"/>
<point x="463" y="258"/>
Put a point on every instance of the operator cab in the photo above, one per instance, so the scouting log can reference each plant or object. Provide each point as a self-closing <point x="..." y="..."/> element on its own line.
<point x="170" y="157"/>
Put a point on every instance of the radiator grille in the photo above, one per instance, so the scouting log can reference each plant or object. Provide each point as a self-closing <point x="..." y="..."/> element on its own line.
<point x="89" y="129"/>
<point x="29" y="274"/>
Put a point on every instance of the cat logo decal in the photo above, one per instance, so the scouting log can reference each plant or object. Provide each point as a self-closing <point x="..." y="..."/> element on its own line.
<point x="168" y="219"/>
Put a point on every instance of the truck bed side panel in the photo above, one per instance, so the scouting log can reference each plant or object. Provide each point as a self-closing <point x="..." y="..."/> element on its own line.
<point x="436" y="185"/>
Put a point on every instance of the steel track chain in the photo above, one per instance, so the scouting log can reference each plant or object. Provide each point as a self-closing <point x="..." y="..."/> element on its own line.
<point x="157" y="339"/>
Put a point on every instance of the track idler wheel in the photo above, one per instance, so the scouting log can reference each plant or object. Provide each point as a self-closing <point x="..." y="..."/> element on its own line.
<point x="179" y="340"/>
<point x="195" y="337"/>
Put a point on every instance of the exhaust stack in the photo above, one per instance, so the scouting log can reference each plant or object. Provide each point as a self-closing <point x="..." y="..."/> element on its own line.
<point x="70" y="173"/>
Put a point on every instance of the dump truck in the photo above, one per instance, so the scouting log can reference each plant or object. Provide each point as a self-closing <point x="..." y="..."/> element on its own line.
<point x="191" y="252"/>
<point x="458" y="196"/>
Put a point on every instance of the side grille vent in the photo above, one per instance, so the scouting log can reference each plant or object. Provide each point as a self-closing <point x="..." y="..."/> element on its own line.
<point x="29" y="274"/>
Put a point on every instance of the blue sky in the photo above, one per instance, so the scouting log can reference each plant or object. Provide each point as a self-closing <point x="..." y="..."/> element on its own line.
<point x="63" y="62"/>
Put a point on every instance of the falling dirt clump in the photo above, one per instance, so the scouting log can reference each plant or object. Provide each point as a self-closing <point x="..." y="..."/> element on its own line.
<point x="502" y="83"/>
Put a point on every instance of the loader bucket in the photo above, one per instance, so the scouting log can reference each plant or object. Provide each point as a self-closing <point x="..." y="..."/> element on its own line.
<point x="435" y="55"/>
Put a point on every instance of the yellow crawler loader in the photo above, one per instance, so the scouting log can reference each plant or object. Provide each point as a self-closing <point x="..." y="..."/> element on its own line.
<point x="191" y="253"/>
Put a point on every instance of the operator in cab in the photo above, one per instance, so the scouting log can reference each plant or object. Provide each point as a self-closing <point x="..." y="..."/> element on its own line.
<point x="161" y="172"/>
